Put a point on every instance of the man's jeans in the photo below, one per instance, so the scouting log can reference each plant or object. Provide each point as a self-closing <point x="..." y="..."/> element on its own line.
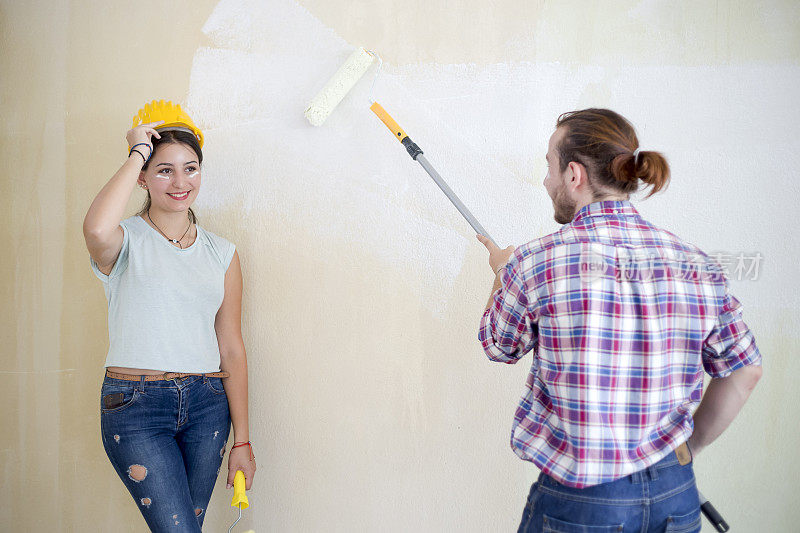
<point x="661" y="498"/>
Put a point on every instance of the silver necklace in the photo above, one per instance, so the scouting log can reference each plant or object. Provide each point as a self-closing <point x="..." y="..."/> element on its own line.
<point x="178" y="241"/>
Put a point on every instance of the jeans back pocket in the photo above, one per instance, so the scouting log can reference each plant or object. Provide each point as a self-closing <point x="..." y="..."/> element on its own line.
<point x="687" y="523"/>
<point x="554" y="525"/>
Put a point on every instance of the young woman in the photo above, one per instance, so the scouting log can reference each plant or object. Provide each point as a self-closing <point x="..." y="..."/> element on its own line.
<point x="176" y="371"/>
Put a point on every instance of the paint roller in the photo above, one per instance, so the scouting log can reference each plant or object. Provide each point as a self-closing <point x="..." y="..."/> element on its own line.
<point x="239" y="498"/>
<point x="323" y="104"/>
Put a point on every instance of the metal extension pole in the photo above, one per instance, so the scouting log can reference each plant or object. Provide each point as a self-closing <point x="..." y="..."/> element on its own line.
<point x="466" y="213"/>
<point x="416" y="154"/>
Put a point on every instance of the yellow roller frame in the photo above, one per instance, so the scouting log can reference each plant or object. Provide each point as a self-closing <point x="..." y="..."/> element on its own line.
<point x="393" y="126"/>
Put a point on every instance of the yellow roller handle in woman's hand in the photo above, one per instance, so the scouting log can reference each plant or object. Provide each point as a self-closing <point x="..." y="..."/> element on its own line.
<point x="239" y="496"/>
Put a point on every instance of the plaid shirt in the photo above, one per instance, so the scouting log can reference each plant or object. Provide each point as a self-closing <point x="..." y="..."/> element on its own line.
<point x="622" y="318"/>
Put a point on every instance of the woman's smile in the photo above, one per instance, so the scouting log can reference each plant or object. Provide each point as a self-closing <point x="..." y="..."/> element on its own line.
<point x="178" y="196"/>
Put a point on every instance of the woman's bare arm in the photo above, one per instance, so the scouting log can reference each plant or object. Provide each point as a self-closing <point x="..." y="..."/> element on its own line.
<point x="233" y="360"/>
<point x="101" y="225"/>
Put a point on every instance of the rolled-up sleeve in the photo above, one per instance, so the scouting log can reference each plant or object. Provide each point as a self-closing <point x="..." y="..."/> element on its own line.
<point x="731" y="344"/>
<point x="508" y="327"/>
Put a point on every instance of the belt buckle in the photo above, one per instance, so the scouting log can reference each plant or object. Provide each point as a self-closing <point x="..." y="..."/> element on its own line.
<point x="172" y="376"/>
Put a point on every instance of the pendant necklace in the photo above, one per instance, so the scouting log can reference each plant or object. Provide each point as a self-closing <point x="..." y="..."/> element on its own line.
<point x="178" y="241"/>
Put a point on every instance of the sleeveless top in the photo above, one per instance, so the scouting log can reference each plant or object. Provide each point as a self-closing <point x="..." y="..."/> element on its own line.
<point x="163" y="300"/>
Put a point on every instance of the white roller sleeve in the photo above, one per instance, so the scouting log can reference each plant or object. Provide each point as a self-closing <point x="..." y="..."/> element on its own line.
<point x="329" y="97"/>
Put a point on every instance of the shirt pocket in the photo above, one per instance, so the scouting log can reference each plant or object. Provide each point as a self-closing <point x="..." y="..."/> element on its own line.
<point x="686" y="523"/>
<point x="554" y="525"/>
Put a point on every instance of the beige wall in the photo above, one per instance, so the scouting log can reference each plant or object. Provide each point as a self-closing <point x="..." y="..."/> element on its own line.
<point x="373" y="406"/>
<point x="71" y="74"/>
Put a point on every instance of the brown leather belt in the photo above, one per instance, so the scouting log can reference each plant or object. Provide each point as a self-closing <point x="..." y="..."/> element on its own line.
<point x="684" y="454"/>
<point x="164" y="376"/>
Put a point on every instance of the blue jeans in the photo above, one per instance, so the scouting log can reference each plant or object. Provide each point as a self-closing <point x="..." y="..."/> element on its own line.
<point x="166" y="440"/>
<point x="660" y="498"/>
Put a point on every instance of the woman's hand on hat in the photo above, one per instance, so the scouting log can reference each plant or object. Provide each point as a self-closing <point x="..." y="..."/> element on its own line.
<point x="143" y="133"/>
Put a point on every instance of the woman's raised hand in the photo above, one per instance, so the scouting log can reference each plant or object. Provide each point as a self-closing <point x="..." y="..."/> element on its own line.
<point x="143" y="133"/>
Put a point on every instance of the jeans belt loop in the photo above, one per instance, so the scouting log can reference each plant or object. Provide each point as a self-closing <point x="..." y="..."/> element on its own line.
<point x="141" y="383"/>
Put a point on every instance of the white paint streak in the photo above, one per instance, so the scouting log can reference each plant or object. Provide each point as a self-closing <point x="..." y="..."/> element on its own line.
<point x="485" y="129"/>
<point x="349" y="182"/>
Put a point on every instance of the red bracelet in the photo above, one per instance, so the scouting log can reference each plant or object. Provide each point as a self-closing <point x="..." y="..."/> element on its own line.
<point x="240" y="444"/>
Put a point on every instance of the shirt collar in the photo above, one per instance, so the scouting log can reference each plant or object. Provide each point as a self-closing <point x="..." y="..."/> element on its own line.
<point x="605" y="208"/>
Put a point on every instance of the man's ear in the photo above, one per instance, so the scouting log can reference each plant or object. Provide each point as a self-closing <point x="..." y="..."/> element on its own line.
<point x="577" y="175"/>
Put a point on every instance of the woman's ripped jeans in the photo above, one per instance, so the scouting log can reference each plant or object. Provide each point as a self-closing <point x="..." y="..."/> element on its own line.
<point x="166" y="440"/>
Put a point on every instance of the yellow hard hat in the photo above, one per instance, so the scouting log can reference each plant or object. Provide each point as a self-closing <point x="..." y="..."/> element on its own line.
<point x="175" y="119"/>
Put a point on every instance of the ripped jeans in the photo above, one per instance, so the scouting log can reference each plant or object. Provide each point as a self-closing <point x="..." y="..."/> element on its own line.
<point x="662" y="498"/>
<point x="166" y="440"/>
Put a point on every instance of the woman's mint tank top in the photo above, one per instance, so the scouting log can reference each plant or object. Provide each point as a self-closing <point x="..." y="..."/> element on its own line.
<point x="163" y="300"/>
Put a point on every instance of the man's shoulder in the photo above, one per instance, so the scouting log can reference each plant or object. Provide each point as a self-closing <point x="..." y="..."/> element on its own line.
<point x="564" y="236"/>
<point x="532" y="258"/>
<point x="668" y="239"/>
<point x="570" y="238"/>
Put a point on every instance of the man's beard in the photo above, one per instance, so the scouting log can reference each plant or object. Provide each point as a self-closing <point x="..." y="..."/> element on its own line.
<point x="564" y="207"/>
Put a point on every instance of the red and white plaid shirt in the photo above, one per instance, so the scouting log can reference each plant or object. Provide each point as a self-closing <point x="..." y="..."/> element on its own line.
<point x="622" y="318"/>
